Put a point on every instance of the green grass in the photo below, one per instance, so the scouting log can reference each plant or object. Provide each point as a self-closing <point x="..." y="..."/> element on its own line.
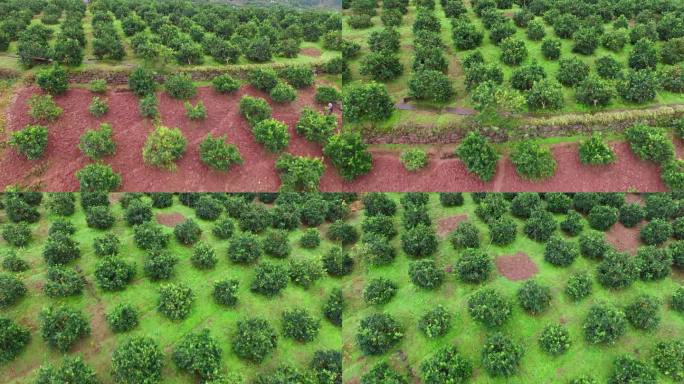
<point x="411" y="303"/>
<point x="97" y="348"/>
<point x="398" y="88"/>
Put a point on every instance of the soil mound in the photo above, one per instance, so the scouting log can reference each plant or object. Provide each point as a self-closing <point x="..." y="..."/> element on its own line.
<point x="311" y="52"/>
<point x="624" y="239"/>
<point x="446" y="225"/>
<point x="170" y="219"/>
<point x="516" y="267"/>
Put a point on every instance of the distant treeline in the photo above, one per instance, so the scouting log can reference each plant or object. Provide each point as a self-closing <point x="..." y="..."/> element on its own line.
<point x="294" y="3"/>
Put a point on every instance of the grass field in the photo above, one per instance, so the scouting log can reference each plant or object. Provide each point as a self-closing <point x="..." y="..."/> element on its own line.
<point x="142" y="293"/>
<point x="410" y="303"/>
<point x="433" y="112"/>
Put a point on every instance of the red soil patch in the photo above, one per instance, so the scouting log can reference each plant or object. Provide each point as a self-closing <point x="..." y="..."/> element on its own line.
<point x="634" y="198"/>
<point x="447" y="175"/>
<point x="312" y="52"/>
<point x="516" y="267"/>
<point x="170" y="219"/>
<point x="55" y="172"/>
<point x="624" y="239"/>
<point x="62" y="158"/>
<point x="447" y="225"/>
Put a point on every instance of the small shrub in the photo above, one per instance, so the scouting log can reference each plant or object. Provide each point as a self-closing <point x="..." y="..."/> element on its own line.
<point x="283" y="93"/>
<point x="270" y="279"/>
<point x="533" y="297"/>
<point x="142" y="82"/>
<point x="656" y="232"/>
<point x="596" y="152"/>
<point x="631" y="214"/>
<point x="425" y="274"/>
<point x="123" y="318"/>
<point x="555" y="340"/>
<point x="199" y="354"/>
<point x="310" y="238"/>
<point x="305" y="272"/>
<point x="149" y="106"/>
<point x="643" y="312"/>
<point x="44" y="109"/>
<point x="225" y="292"/>
<point x="639" y="86"/>
<point x="203" y="256"/>
<point x="61" y="327"/>
<point x="479" y="156"/>
<point x="137" y="360"/>
<point x="12" y="288"/>
<point x="532" y="161"/>
<point x="487" y="307"/>
<point x="414" y="159"/>
<point x="30" y="141"/>
<point x="572" y="225"/>
<point x="668" y="358"/>
<point x="98" y="107"/>
<point x="617" y="270"/>
<point x="299" y="325"/>
<point x="602" y="217"/>
<point x="164" y="146"/>
<point x="325" y="95"/>
<point x="378" y="333"/>
<point x="420" y="241"/>
<point x="159" y="265"/>
<point x="379" y="291"/>
<point x="98" y="143"/>
<point x="254" y="339"/>
<point x="113" y="274"/>
<point x="474" y="266"/>
<point x="650" y="143"/>
<point x="579" y="286"/>
<point x="627" y="369"/>
<point x="604" y="324"/>
<point x="540" y="226"/>
<point x="175" y="301"/>
<point x="14" y="339"/>
<point x="466" y="235"/>
<point x="180" y="86"/>
<point x="225" y="84"/>
<point x="501" y="356"/>
<point x="446" y="365"/>
<point x="16" y="234"/>
<point x="435" y="322"/>
<point x="216" y="153"/>
<point x="150" y="236"/>
<point x="53" y="80"/>
<point x="349" y="155"/>
<point x="187" y="232"/>
<point x="593" y="245"/>
<point x="195" y="112"/>
<point x="653" y="263"/>
<point x="224" y="228"/>
<point x="337" y="262"/>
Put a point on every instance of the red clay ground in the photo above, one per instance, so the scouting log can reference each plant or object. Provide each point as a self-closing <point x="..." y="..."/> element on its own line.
<point x="312" y="52"/>
<point x="55" y="172"/>
<point x="516" y="267"/>
<point x="446" y="225"/>
<point x="624" y="239"/>
<point x="170" y="219"/>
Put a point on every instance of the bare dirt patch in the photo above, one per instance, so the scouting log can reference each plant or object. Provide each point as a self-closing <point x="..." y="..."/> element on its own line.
<point x="446" y="225"/>
<point x="624" y="239"/>
<point x="311" y="52"/>
<point x="170" y="219"/>
<point x="258" y="174"/>
<point x="516" y="267"/>
<point x="634" y="198"/>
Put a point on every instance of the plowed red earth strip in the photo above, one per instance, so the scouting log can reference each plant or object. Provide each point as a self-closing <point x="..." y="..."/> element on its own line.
<point x="62" y="159"/>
